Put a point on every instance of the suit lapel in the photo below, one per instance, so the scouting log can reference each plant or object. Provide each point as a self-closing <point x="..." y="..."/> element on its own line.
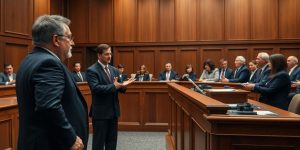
<point x="103" y="73"/>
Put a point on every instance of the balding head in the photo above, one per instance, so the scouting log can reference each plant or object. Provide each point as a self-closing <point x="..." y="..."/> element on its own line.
<point x="292" y="61"/>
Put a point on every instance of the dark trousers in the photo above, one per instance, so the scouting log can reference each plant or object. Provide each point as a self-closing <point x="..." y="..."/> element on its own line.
<point x="105" y="133"/>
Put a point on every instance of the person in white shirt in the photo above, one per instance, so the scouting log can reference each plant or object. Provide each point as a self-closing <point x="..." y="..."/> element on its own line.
<point x="77" y="74"/>
<point x="293" y="68"/>
<point x="254" y="72"/>
<point x="8" y="77"/>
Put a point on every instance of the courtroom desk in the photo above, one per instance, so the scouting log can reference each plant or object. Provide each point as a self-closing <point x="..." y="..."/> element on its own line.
<point x="7" y="90"/>
<point x="199" y="122"/>
<point x="9" y="122"/>
<point x="228" y="96"/>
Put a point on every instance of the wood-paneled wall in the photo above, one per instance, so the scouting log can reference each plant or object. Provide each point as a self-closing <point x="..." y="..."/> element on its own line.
<point x="122" y="21"/>
<point x="15" y="26"/>
<point x="155" y="57"/>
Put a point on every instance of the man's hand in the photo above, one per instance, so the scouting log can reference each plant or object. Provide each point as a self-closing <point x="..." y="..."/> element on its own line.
<point x="126" y="83"/>
<point x="248" y="86"/>
<point x="224" y="79"/>
<point x="11" y="82"/>
<point x="116" y="83"/>
<point x="78" y="145"/>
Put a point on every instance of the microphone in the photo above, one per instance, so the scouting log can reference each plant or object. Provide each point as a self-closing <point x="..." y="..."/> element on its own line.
<point x="196" y="86"/>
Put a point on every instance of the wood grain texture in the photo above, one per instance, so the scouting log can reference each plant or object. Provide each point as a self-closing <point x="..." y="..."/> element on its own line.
<point x="289" y="19"/>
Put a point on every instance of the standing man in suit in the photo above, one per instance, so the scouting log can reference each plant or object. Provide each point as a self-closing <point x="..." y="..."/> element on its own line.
<point x="241" y="73"/>
<point x="224" y="71"/>
<point x="122" y="76"/>
<point x="77" y="74"/>
<point x="103" y="81"/>
<point x="53" y="113"/>
<point x="262" y="60"/>
<point x="168" y="74"/>
<point x="293" y="69"/>
<point x="8" y="77"/>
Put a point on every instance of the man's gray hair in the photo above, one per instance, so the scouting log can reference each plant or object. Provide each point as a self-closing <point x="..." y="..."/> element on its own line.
<point x="264" y="56"/>
<point x="46" y="26"/>
<point x="241" y="58"/>
<point x="295" y="59"/>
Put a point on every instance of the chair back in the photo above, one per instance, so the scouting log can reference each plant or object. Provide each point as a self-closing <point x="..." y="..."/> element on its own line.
<point x="295" y="104"/>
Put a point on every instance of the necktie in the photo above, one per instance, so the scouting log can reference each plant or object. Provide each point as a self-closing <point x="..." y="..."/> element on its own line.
<point x="222" y="73"/>
<point x="235" y="73"/>
<point x="80" y="76"/>
<point x="167" y="76"/>
<point x="108" y="74"/>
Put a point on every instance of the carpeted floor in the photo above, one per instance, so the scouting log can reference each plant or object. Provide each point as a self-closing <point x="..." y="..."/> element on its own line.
<point x="138" y="141"/>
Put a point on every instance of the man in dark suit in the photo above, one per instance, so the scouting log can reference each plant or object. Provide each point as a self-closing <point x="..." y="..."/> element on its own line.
<point x="168" y="74"/>
<point x="224" y="71"/>
<point x="262" y="60"/>
<point x="293" y="68"/>
<point x="103" y="81"/>
<point x="241" y="73"/>
<point x="77" y="74"/>
<point x="8" y="77"/>
<point x="52" y="111"/>
<point x="122" y="76"/>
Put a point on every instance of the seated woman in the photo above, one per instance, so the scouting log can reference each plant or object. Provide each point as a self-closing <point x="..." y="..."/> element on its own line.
<point x="142" y="74"/>
<point x="275" y="90"/>
<point x="210" y="73"/>
<point x="189" y="73"/>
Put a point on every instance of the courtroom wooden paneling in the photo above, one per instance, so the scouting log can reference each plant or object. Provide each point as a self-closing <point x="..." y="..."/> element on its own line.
<point x="185" y="20"/>
<point x="78" y="55"/>
<point x="41" y="7"/>
<point x="289" y="19"/>
<point x="147" y="58"/>
<point x="126" y="57"/>
<point x="210" y="20"/>
<point x="264" y="19"/>
<point x="78" y="12"/>
<point x="231" y="54"/>
<point x="188" y="56"/>
<point x="125" y="20"/>
<point x="58" y="7"/>
<point x="237" y="19"/>
<point x="148" y="17"/>
<point x="267" y="49"/>
<point x="130" y="106"/>
<point x="289" y="51"/>
<point x="101" y="21"/>
<point x="166" y="20"/>
<point x="14" y="54"/>
<point x="166" y="56"/>
<point x="213" y="53"/>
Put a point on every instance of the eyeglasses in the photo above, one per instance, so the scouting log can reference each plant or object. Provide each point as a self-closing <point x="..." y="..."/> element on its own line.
<point x="70" y="37"/>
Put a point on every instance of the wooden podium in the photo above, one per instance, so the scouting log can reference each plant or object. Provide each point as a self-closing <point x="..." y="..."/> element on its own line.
<point x="199" y="122"/>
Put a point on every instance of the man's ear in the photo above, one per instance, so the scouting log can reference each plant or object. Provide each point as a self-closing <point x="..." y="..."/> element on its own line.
<point x="55" y="40"/>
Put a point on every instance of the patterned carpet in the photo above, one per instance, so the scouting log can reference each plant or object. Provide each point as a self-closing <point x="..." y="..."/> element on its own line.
<point x="138" y="141"/>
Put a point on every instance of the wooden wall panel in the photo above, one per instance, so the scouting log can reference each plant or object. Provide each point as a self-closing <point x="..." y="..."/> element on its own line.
<point x="125" y="19"/>
<point x="166" y="20"/>
<point x="41" y="7"/>
<point x="126" y="57"/>
<point x="14" y="54"/>
<point x="78" y="14"/>
<point x="187" y="137"/>
<point x="289" y="19"/>
<point x="199" y="139"/>
<point x="6" y="132"/>
<point x="210" y="20"/>
<point x="147" y="58"/>
<point x="264" y="19"/>
<point x="157" y="110"/>
<point x="185" y="20"/>
<point x="166" y="56"/>
<point x="290" y="52"/>
<point x="215" y="54"/>
<point x="101" y="21"/>
<point x="233" y="52"/>
<point x="147" y="20"/>
<point x="237" y="19"/>
<point x="129" y="108"/>
<point x="17" y="18"/>
<point x="187" y="56"/>
<point x="58" y="7"/>
<point x="257" y="50"/>
<point x="78" y="55"/>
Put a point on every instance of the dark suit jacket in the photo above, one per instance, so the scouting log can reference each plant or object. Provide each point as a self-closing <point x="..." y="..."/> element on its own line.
<point x="173" y="75"/>
<point x="77" y="78"/>
<point x="242" y="75"/>
<point x="51" y="108"/>
<point x="192" y="76"/>
<point x="105" y="101"/>
<point x="275" y="91"/>
<point x="295" y="73"/>
<point x="123" y="77"/>
<point x="145" y="77"/>
<point x="228" y="73"/>
<point x="264" y="75"/>
<point x="4" y="78"/>
<point x="255" y="77"/>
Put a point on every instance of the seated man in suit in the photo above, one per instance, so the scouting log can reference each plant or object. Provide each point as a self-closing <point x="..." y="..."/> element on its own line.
<point x="241" y="73"/>
<point x="262" y="60"/>
<point x="293" y="68"/>
<point x="122" y="76"/>
<point x="8" y="77"/>
<point x="77" y="74"/>
<point x="168" y="74"/>
<point x="142" y="74"/>
<point x="254" y="72"/>
<point x="224" y="71"/>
